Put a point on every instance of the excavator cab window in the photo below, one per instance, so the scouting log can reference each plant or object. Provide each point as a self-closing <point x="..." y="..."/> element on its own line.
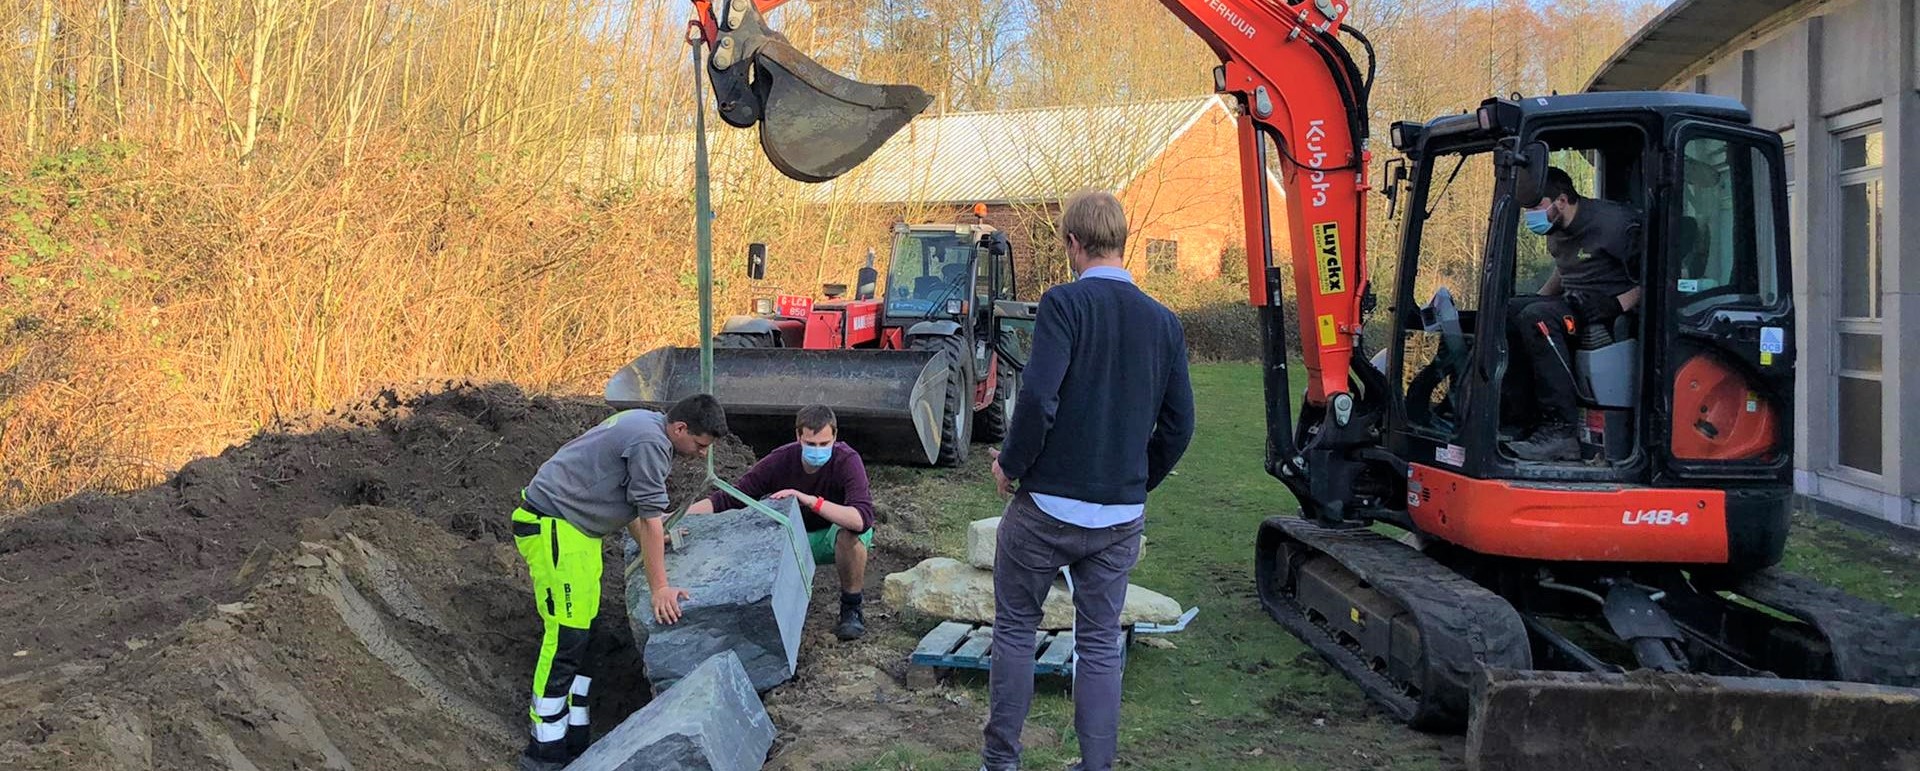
<point x="1437" y="338"/>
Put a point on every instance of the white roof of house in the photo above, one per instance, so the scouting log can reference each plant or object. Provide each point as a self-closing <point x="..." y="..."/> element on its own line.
<point x="1027" y="155"/>
<point x="1036" y="154"/>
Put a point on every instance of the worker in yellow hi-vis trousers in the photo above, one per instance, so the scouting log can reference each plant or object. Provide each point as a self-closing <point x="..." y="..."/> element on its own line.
<point x="612" y="476"/>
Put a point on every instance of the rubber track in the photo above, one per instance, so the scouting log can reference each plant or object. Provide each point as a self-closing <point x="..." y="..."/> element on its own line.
<point x="1462" y="625"/>
<point x="1871" y="643"/>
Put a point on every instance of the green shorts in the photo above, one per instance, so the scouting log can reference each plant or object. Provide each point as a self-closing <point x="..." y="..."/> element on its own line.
<point x="822" y="543"/>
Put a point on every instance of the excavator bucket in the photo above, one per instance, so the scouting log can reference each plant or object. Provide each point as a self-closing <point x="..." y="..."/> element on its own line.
<point x="890" y="403"/>
<point x="817" y="125"/>
<point x="814" y="124"/>
<point x="1568" y="721"/>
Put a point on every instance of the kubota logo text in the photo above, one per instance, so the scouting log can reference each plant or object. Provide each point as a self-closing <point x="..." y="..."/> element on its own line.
<point x="1317" y="159"/>
<point x="1245" y="27"/>
<point x="1653" y="517"/>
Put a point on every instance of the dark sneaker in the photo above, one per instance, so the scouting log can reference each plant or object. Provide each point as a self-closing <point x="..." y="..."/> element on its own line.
<point x="852" y="626"/>
<point x="1548" y="444"/>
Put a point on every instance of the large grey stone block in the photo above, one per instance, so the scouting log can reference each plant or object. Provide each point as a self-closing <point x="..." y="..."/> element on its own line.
<point x="982" y="538"/>
<point x="711" y="720"/>
<point x="749" y="596"/>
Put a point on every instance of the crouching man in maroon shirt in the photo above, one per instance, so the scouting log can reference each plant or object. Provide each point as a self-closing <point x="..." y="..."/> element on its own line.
<point x="830" y="481"/>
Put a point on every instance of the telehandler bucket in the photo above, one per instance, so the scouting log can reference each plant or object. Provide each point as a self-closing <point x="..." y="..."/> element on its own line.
<point x="890" y="404"/>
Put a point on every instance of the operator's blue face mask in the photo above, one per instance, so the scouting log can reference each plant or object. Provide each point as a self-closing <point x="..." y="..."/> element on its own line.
<point x="1538" y="222"/>
<point x="816" y="456"/>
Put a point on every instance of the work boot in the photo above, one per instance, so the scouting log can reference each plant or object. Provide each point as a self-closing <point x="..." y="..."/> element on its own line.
<point x="853" y="624"/>
<point x="544" y="756"/>
<point x="530" y="763"/>
<point x="1553" y="442"/>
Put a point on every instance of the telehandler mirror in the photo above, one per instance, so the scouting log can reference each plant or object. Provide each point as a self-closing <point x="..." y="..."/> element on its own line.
<point x="997" y="244"/>
<point x="756" y="261"/>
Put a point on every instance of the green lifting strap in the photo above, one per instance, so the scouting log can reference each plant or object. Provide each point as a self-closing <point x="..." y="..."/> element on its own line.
<point x="703" y="253"/>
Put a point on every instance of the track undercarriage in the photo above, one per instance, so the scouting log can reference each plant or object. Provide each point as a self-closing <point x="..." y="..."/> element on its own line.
<point x="1588" y="666"/>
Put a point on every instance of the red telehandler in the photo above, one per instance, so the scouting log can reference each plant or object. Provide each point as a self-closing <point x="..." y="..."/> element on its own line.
<point x="1619" y="610"/>
<point x="919" y="370"/>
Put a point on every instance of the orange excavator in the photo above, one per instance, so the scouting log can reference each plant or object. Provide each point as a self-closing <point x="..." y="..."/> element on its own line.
<point x="1618" y="609"/>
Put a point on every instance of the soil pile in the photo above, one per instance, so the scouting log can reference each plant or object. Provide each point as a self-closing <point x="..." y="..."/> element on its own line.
<point x="340" y="592"/>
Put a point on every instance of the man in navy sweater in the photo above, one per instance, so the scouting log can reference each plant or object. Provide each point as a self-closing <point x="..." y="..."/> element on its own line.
<point x="1105" y="411"/>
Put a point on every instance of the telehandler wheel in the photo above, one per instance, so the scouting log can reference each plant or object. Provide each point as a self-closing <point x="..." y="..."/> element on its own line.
<point x="956" y="430"/>
<point x="742" y="340"/>
<point x="1006" y="390"/>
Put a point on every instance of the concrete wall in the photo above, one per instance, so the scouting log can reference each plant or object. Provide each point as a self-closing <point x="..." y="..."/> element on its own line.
<point x="1837" y="65"/>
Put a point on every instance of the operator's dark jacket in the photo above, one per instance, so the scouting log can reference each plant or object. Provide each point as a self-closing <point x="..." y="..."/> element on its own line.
<point x="1105" y="407"/>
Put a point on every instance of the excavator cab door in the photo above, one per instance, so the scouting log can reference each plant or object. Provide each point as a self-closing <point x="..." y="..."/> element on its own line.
<point x="1726" y="348"/>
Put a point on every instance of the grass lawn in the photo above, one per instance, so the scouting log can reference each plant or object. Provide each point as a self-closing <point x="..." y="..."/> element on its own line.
<point x="1239" y="692"/>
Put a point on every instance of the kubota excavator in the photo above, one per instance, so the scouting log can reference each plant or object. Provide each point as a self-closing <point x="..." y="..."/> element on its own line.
<point x="1619" y="610"/>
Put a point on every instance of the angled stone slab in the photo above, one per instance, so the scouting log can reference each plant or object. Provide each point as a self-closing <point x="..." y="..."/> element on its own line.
<point x="711" y="720"/>
<point x="750" y="579"/>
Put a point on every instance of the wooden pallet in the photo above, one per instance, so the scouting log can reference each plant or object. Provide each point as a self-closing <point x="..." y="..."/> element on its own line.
<point x="963" y="645"/>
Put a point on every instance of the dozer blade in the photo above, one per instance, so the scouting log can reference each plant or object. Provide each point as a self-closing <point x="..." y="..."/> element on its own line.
<point x="816" y="125"/>
<point x="1566" y="721"/>
<point x="890" y="404"/>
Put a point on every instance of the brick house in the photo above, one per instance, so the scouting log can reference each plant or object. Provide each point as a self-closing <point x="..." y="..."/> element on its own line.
<point x="1174" y="164"/>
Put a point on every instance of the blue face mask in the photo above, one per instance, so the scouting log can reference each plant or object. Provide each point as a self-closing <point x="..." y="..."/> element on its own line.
<point x="1537" y="221"/>
<point x="816" y="456"/>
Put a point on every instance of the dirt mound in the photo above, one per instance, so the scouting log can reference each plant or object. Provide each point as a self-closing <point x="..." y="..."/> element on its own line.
<point x="129" y="566"/>
<point x="339" y="592"/>
<point x="341" y="580"/>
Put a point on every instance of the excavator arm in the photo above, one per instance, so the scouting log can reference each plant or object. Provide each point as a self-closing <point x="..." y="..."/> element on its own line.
<point x="1300" y="95"/>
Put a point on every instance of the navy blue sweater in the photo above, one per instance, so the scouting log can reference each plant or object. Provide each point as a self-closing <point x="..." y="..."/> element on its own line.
<point x="1105" y="408"/>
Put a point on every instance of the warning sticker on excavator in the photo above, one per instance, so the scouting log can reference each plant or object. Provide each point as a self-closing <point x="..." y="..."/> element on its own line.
<point x="1329" y="331"/>
<point x="1326" y="250"/>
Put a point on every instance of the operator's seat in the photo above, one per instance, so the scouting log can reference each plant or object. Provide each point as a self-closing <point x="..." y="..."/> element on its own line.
<point x="1606" y="359"/>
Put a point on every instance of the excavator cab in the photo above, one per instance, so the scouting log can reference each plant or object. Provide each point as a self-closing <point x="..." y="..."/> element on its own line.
<point x="1691" y="384"/>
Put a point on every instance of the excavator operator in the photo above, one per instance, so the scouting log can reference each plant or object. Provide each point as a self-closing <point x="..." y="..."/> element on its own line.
<point x="1593" y="242"/>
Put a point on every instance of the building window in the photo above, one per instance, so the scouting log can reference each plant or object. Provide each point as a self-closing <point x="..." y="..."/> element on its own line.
<point x="1163" y="256"/>
<point x="1858" y="328"/>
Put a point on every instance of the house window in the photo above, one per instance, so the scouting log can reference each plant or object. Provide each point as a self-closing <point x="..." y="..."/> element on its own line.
<point x="1163" y="256"/>
<point x="1856" y="349"/>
